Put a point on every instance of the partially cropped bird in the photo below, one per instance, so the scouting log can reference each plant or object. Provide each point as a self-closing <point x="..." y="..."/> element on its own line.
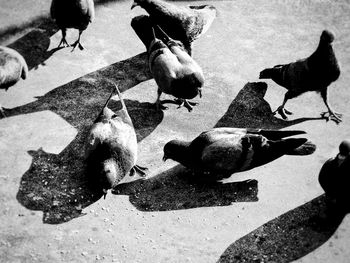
<point x="72" y="14"/>
<point x="220" y="152"/>
<point x="185" y="24"/>
<point x="13" y="67"/>
<point x="111" y="148"/>
<point x="334" y="176"/>
<point x="314" y="73"/>
<point x="175" y="72"/>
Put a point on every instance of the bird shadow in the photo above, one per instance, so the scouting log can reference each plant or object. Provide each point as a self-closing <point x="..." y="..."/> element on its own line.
<point x="57" y="184"/>
<point x="249" y="109"/>
<point x="34" y="45"/>
<point x="289" y="236"/>
<point x="175" y="189"/>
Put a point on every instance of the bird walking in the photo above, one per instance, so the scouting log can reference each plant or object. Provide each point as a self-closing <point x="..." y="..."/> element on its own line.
<point x="334" y="175"/>
<point x="314" y="73"/>
<point x="220" y="152"/>
<point x="111" y="148"/>
<point x="72" y="14"/>
<point x="185" y="24"/>
<point x="174" y="70"/>
<point x="13" y="67"/>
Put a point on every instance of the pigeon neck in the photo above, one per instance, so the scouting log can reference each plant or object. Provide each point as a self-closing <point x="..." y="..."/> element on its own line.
<point x="156" y="7"/>
<point x="181" y="153"/>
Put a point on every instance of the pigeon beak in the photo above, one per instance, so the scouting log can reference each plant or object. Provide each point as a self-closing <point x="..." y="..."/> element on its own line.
<point x="134" y="4"/>
<point x="104" y="193"/>
<point x="200" y="93"/>
<point x="165" y="158"/>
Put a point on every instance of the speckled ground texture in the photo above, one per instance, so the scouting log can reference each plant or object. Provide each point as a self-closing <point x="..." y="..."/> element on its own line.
<point x="275" y="213"/>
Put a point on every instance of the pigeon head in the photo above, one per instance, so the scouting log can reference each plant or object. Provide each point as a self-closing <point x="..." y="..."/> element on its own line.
<point x="327" y="37"/>
<point x="109" y="175"/>
<point x="138" y="3"/>
<point x="188" y="86"/>
<point x="344" y="148"/>
<point x="174" y="150"/>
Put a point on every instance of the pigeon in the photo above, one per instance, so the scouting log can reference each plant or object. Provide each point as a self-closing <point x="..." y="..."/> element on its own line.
<point x="314" y="73"/>
<point x="334" y="175"/>
<point x="12" y="67"/>
<point x="220" y="152"/>
<point x="175" y="71"/>
<point x="72" y="14"/>
<point x="185" y="24"/>
<point x="111" y="148"/>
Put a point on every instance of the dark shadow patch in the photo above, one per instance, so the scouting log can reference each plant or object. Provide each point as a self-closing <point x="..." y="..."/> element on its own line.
<point x="175" y="190"/>
<point x="250" y="110"/>
<point x="57" y="184"/>
<point x="34" y="45"/>
<point x="77" y="100"/>
<point x="289" y="236"/>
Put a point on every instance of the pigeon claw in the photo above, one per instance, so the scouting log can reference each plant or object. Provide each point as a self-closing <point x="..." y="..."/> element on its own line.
<point x="283" y="112"/>
<point x="185" y="103"/>
<point x="77" y="43"/>
<point x="140" y="170"/>
<point x="330" y="115"/>
<point x="63" y="42"/>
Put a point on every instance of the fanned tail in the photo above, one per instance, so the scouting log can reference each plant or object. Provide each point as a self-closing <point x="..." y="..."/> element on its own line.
<point x="306" y="148"/>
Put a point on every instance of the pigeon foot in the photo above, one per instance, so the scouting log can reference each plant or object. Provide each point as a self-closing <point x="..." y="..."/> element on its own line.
<point x="185" y="103"/>
<point x="140" y="170"/>
<point x="77" y="43"/>
<point x="334" y="116"/>
<point x="63" y="42"/>
<point x="283" y="112"/>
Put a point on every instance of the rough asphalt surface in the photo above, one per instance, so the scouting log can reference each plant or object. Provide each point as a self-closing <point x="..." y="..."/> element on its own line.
<point x="274" y="213"/>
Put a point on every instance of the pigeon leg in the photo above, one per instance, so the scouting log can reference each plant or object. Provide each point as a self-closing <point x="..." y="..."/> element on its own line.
<point x="77" y="43"/>
<point x="158" y="103"/>
<point x="330" y="115"/>
<point x="281" y="110"/>
<point x="63" y="39"/>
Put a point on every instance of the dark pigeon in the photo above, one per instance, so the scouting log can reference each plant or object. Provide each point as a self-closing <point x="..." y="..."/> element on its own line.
<point x="185" y="24"/>
<point x="314" y="73"/>
<point x="175" y="72"/>
<point x="334" y="176"/>
<point x="72" y="14"/>
<point x="111" y="148"/>
<point x="220" y="152"/>
<point x="13" y="67"/>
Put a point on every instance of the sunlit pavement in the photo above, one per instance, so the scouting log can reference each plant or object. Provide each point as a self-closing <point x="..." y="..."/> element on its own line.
<point x="48" y="214"/>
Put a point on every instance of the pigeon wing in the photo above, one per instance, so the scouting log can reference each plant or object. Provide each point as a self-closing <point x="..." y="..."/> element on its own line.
<point x="227" y="154"/>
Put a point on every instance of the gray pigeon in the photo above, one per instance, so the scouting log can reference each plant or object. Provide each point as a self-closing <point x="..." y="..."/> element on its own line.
<point x="111" y="148"/>
<point x="334" y="176"/>
<point x="72" y="14"/>
<point x="185" y="24"/>
<point x="220" y="152"/>
<point x="12" y="68"/>
<point x="314" y="73"/>
<point x="175" y="72"/>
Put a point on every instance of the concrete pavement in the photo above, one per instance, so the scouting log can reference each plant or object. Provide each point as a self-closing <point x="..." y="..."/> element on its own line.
<point x="48" y="212"/>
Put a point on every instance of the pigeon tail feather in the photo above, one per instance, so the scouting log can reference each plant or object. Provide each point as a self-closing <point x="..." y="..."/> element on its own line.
<point x="305" y="149"/>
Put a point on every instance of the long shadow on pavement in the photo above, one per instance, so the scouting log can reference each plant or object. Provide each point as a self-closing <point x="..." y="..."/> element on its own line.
<point x="174" y="189"/>
<point x="57" y="184"/>
<point x="289" y="236"/>
<point x="250" y="110"/>
<point x="34" y="45"/>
